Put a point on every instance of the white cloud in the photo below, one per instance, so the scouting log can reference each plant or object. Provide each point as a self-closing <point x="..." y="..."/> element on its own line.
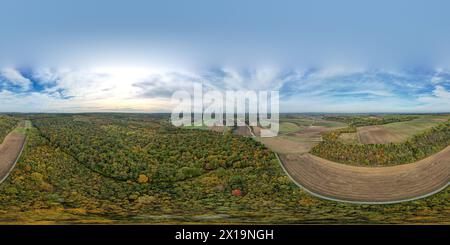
<point x="14" y="77"/>
<point x="148" y="90"/>
<point x="437" y="101"/>
<point x="262" y="78"/>
<point x="78" y="90"/>
<point x="337" y="71"/>
<point x="46" y="76"/>
<point x="441" y="92"/>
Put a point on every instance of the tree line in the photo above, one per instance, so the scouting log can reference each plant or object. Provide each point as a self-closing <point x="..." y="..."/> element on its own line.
<point x="415" y="148"/>
<point x="7" y="124"/>
<point x="364" y="120"/>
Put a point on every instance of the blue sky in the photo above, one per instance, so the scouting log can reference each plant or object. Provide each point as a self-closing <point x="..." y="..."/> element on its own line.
<point x="323" y="56"/>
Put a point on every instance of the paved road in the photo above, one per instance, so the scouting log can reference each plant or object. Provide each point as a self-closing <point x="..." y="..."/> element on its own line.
<point x="10" y="151"/>
<point x="356" y="184"/>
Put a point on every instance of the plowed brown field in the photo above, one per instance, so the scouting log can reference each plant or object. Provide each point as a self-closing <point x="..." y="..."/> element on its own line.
<point x="10" y="151"/>
<point x="377" y="135"/>
<point x="369" y="184"/>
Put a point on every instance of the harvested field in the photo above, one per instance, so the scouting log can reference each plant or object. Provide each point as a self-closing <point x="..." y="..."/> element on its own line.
<point x="219" y="129"/>
<point x="300" y="141"/>
<point x="288" y="127"/>
<point x="312" y="121"/>
<point x="312" y="133"/>
<point x="287" y="144"/>
<point x="329" y="124"/>
<point x="377" y="135"/>
<point x="299" y="120"/>
<point x="369" y="184"/>
<point x="10" y="151"/>
<point x="397" y="132"/>
<point x="349" y="138"/>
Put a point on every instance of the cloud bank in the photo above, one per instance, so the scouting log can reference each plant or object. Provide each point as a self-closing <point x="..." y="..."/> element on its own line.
<point x="133" y="89"/>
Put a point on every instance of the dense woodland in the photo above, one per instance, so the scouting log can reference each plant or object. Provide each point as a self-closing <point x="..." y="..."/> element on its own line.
<point x="152" y="151"/>
<point x="7" y="124"/>
<point x="413" y="149"/>
<point x="51" y="183"/>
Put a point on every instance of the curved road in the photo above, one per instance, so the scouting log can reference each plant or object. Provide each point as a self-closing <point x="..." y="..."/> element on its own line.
<point x="340" y="182"/>
<point x="10" y="151"/>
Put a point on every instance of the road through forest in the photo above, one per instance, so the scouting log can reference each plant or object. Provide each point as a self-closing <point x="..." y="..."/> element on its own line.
<point x="10" y="151"/>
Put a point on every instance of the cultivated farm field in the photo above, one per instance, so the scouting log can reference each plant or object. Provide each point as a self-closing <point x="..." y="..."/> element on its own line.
<point x="298" y="133"/>
<point x="422" y="136"/>
<point x="398" y="131"/>
<point x="137" y="168"/>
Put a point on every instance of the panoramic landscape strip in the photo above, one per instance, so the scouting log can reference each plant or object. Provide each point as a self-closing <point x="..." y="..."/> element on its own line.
<point x="138" y="168"/>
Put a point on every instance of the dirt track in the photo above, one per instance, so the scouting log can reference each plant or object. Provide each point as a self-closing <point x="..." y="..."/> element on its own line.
<point x="369" y="184"/>
<point x="10" y="151"/>
<point x="243" y="131"/>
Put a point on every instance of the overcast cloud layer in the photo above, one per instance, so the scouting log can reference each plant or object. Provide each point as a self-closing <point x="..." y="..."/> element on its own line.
<point x="323" y="56"/>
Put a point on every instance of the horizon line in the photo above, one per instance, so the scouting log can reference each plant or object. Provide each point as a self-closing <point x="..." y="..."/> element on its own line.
<point x="121" y="112"/>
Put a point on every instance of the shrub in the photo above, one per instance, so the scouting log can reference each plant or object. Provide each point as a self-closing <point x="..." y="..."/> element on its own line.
<point x="142" y="178"/>
<point x="237" y="182"/>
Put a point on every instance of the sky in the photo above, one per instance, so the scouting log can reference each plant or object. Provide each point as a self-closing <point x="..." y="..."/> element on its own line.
<point x="130" y="56"/>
